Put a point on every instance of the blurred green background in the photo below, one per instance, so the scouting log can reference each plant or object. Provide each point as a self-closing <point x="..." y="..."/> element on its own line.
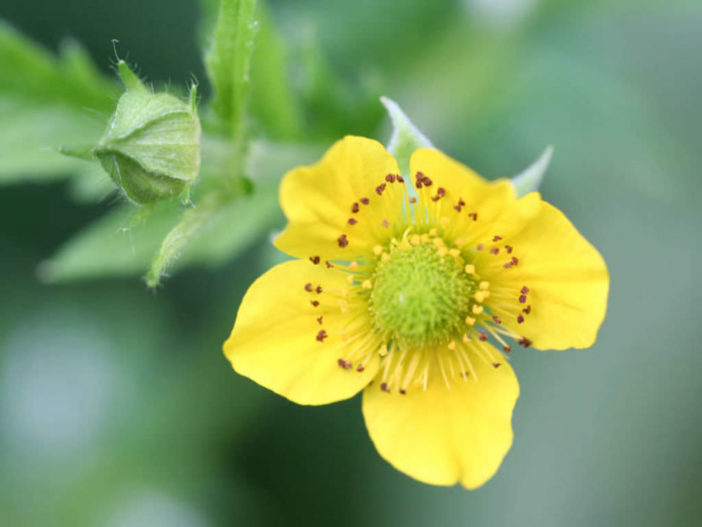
<point x="117" y="407"/>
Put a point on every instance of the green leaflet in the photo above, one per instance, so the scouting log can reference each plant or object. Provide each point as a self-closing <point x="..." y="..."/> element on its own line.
<point x="274" y="104"/>
<point x="228" y="61"/>
<point x="47" y="101"/>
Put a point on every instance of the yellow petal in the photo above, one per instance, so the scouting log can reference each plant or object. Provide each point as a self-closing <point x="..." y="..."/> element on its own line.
<point x="566" y="279"/>
<point x="320" y="200"/>
<point x="461" y="201"/>
<point x="280" y="341"/>
<point x="443" y="436"/>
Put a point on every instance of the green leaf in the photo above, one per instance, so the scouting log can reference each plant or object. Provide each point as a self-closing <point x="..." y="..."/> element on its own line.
<point x="113" y="246"/>
<point x="47" y="101"/>
<point x="228" y="60"/>
<point x="32" y="74"/>
<point x="405" y="138"/>
<point x="273" y="102"/>
<point x="530" y="179"/>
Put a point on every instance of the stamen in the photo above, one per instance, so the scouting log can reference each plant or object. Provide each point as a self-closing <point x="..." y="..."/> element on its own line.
<point x="321" y="335"/>
<point x="355" y="208"/>
<point x="318" y="289"/>
<point x="473" y="215"/>
<point x="352" y="221"/>
<point x="365" y="201"/>
<point x="343" y="241"/>
<point x="524" y="342"/>
<point x="315" y="259"/>
<point x="308" y="287"/>
<point x="380" y="188"/>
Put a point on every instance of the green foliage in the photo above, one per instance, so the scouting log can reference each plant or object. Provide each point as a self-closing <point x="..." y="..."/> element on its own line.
<point x="274" y="101"/>
<point x="47" y="101"/>
<point x="228" y="61"/>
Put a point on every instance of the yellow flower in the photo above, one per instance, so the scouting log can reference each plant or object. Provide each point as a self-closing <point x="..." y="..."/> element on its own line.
<point x="414" y="297"/>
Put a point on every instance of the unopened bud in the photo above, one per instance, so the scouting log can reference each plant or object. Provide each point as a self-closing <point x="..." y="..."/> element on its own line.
<point x="151" y="147"/>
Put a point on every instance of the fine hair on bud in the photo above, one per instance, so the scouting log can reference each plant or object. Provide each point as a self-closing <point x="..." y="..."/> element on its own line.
<point x="151" y="148"/>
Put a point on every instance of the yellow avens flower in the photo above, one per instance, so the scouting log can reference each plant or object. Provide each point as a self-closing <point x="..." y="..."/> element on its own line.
<point x="414" y="294"/>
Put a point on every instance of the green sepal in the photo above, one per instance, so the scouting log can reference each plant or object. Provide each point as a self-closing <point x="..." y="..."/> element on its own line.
<point x="405" y="138"/>
<point x="529" y="180"/>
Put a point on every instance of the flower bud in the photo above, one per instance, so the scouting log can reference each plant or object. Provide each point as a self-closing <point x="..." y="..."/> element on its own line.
<point x="151" y="147"/>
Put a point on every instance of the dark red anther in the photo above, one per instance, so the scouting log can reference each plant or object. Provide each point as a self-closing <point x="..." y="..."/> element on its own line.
<point x="527" y="309"/>
<point x="308" y="287"/>
<point x="403" y="391"/>
<point x="355" y="208"/>
<point x="480" y="246"/>
<point x="494" y="250"/>
<point x="328" y="264"/>
<point x="515" y="260"/>
<point x="365" y="201"/>
<point x="319" y="320"/>
<point x="343" y="241"/>
<point x="440" y="193"/>
<point x="352" y="221"/>
<point x="497" y="319"/>
<point x="390" y="178"/>
<point x="496" y="364"/>
<point x="496" y="238"/>
<point x="427" y="182"/>
<point x="522" y="299"/>
<point x="507" y="348"/>
<point x="508" y="248"/>
<point x="473" y="215"/>
<point x="321" y="335"/>
<point x="520" y="318"/>
<point x="483" y="336"/>
<point x="508" y="265"/>
<point x="380" y="188"/>
<point x="525" y="289"/>
<point x="399" y="178"/>
<point x="413" y="199"/>
<point x="314" y="303"/>
<point x="385" y="223"/>
<point x="360" y="368"/>
<point x="314" y="259"/>
<point x="524" y="342"/>
<point x="318" y="289"/>
<point x="384" y="386"/>
<point x="341" y="363"/>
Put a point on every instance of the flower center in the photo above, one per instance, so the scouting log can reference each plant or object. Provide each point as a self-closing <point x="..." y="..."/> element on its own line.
<point x="421" y="295"/>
